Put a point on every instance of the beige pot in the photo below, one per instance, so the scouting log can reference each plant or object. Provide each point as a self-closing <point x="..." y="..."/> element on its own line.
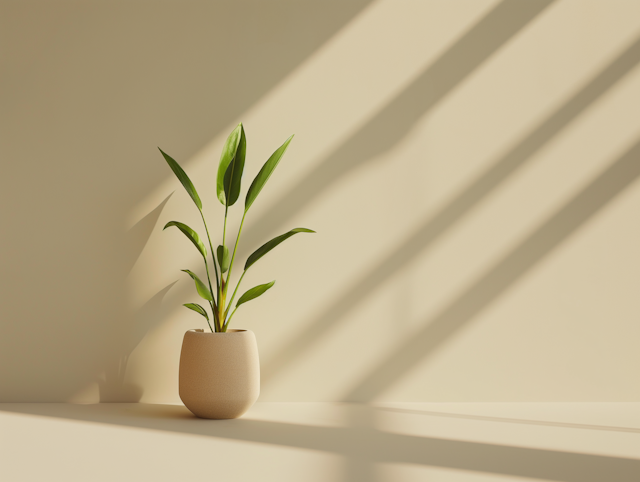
<point x="219" y="373"/>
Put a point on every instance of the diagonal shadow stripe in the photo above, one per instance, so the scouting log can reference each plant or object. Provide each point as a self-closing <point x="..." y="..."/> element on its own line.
<point x="579" y="426"/>
<point x="373" y="447"/>
<point x="138" y="236"/>
<point x="365" y="443"/>
<point x="502" y="276"/>
<point x="461" y="205"/>
<point x="457" y="63"/>
<point x="395" y="119"/>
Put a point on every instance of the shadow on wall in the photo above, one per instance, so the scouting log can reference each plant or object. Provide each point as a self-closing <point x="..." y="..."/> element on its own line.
<point x="610" y="183"/>
<point x="388" y="128"/>
<point x="86" y="92"/>
<point x="112" y="384"/>
<point x="395" y="120"/>
<point x="457" y="209"/>
<point x="138" y="236"/>
<point x="361" y="444"/>
<point x="72" y="95"/>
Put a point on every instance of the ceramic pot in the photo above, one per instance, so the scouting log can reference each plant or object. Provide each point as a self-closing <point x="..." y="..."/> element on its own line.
<point x="219" y="373"/>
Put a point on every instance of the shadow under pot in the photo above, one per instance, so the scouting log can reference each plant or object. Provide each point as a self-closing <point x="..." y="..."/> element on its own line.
<point x="219" y="373"/>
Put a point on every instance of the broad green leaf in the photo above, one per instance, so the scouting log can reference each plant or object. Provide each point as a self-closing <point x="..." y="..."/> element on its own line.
<point x="269" y="245"/>
<point x="264" y="174"/>
<point x="189" y="233"/>
<point x="184" y="179"/>
<point x="254" y="293"/>
<point x="203" y="290"/>
<point x="223" y="258"/>
<point x="226" y="161"/>
<point x="198" y="309"/>
<point x="233" y="176"/>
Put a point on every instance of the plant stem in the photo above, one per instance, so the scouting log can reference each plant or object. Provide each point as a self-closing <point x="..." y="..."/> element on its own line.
<point x="234" y="293"/>
<point x="212" y="302"/>
<point x="234" y="252"/>
<point x="208" y="322"/>
<point x="224" y="229"/>
<point x="214" y="306"/>
<point x="213" y="255"/>
<point x="226" y="324"/>
<point x="221" y="290"/>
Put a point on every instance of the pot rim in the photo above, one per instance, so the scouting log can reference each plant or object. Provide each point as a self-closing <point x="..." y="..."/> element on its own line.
<point x="200" y="331"/>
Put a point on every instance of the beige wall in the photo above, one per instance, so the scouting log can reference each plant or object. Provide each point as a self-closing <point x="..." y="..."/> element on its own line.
<point x="470" y="167"/>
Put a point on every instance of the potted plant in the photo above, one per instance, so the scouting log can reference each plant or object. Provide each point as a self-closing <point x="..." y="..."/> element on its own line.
<point x="219" y="370"/>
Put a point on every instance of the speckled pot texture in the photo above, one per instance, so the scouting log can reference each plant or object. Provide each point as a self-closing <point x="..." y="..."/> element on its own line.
<point x="219" y="373"/>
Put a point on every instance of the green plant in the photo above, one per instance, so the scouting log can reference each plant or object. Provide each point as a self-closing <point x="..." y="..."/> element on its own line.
<point x="228" y="190"/>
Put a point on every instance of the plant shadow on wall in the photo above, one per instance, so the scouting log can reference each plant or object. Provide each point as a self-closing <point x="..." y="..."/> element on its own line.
<point x="362" y="445"/>
<point x="69" y="55"/>
<point x="112" y="384"/>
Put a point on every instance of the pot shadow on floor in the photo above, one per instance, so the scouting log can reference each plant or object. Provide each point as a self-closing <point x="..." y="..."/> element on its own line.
<point x="361" y="444"/>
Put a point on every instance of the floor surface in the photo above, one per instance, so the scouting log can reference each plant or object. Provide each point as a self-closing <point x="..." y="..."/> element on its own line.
<point x="576" y="442"/>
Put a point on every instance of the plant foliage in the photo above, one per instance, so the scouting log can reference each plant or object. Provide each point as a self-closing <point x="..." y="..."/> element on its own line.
<point x="228" y="187"/>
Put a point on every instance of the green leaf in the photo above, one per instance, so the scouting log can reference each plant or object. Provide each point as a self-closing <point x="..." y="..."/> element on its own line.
<point x="269" y="245"/>
<point x="184" y="179"/>
<point x="223" y="258"/>
<point x="203" y="290"/>
<point x="233" y="176"/>
<point x="189" y="233"/>
<point x="264" y="174"/>
<point x="254" y="293"/>
<point x="198" y="309"/>
<point x="227" y="161"/>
